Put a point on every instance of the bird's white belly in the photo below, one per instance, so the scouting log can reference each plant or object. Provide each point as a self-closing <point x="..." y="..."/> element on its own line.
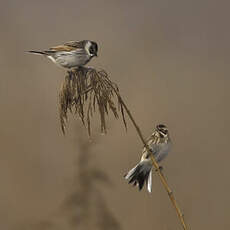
<point x="163" y="151"/>
<point x="71" y="60"/>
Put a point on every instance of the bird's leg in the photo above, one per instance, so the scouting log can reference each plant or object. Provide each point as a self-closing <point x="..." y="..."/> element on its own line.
<point x="89" y="67"/>
<point x="160" y="169"/>
<point x="147" y="154"/>
<point x="84" y="69"/>
<point x="70" y="74"/>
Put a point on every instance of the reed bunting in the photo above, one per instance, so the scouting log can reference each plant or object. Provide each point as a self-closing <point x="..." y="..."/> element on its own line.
<point x="160" y="144"/>
<point x="71" y="54"/>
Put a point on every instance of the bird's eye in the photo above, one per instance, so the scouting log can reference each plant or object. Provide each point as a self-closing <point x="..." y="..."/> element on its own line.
<point x="165" y="131"/>
<point x="91" y="50"/>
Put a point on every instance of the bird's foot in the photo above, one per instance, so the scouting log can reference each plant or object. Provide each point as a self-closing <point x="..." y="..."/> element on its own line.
<point x="89" y="67"/>
<point x="159" y="169"/>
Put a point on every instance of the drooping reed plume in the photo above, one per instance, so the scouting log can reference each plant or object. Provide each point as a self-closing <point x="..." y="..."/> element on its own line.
<point x="85" y="91"/>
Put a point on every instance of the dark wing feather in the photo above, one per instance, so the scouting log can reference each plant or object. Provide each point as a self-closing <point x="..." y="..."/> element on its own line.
<point x="62" y="48"/>
<point x="69" y="46"/>
<point x="75" y="44"/>
<point x="152" y="142"/>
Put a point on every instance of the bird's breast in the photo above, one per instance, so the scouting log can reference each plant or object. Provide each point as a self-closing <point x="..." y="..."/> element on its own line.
<point x="164" y="149"/>
<point x="72" y="59"/>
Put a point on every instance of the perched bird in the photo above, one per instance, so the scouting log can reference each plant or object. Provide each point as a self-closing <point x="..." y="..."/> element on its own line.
<point x="160" y="144"/>
<point x="72" y="54"/>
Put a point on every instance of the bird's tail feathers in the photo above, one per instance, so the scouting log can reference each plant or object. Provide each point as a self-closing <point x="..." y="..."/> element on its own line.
<point x="36" y="52"/>
<point x="140" y="174"/>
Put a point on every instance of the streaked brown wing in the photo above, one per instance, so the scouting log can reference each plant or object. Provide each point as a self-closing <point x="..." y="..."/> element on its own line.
<point x="62" y="48"/>
<point x="75" y="44"/>
<point x="151" y="142"/>
<point x="153" y="139"/>
<point x="69" y="46"/>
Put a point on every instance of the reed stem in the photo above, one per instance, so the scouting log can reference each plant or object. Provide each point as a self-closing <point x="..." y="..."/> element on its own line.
<point x="155" y="164"/>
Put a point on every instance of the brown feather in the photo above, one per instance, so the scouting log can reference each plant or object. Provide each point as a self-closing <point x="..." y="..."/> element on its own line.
<point x="156" y="139"/>
<point x="62" y="48"/>
<point x="69" y="46"/>
<point x="76" y="44"/>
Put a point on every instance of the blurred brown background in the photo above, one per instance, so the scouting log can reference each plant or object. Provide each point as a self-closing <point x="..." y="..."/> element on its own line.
<point x="171" y="61"/>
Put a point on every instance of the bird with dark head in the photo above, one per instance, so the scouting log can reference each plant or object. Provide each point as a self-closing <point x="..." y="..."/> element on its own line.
<point x="71" y="54"/>
<point x="160" y="144"/>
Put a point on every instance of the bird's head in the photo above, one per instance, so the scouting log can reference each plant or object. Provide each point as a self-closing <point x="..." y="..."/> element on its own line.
<point x="92" y="48"/>
<point x="162" y="129"/>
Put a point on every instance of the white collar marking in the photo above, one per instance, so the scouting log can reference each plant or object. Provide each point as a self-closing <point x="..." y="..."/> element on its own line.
<point x="87" y="46"/>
